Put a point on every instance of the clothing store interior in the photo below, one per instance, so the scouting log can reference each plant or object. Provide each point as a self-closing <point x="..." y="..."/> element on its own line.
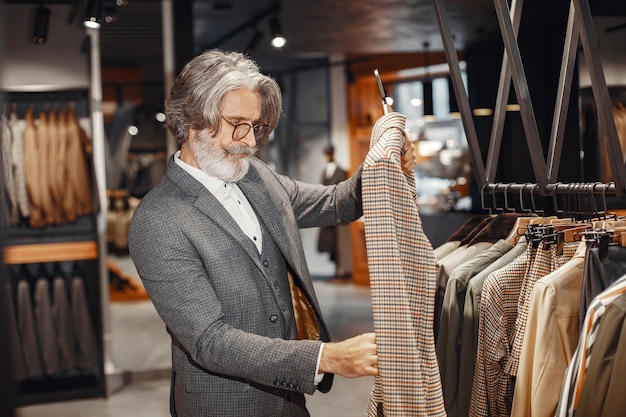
<point x="517" y="114"/>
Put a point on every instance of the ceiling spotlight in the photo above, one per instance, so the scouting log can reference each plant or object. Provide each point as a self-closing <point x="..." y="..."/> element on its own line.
<point x="93" y="14"/>
<point x="40" y="28"/>
<point x="278" y="40"/>
<point x="257" y="36"/>
<point x="110" y="14"/>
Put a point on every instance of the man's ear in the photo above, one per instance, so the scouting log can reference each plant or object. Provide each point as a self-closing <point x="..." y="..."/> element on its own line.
<point x="191" y="133"/>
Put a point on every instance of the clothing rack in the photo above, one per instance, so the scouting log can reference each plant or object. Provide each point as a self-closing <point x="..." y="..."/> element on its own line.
<point x="577" y="200"/>
<point x="53" y="245"/>
<point x="21" y="101"/>
<point x="579" y="30"/>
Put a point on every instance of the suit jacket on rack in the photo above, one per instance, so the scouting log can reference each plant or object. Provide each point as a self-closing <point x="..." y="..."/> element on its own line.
<point x="229" y="318"/>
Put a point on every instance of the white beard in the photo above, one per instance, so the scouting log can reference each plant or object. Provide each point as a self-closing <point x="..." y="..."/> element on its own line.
<point x="217" y="161"/>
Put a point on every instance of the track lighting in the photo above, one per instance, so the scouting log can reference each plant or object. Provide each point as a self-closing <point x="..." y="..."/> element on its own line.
<point x="93" y="14"/>
<point x="110" y="14"/>
<point x="257" y="36"/>
<point x="278" y="40"/>
<point x="427" y="84"/>
<point x="40" y="27"/>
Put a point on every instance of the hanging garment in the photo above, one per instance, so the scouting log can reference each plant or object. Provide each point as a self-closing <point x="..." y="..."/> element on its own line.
<point x="603" y="389"/>
<point x="549" y="258"/>
<point x="448" y="263"/>
<point x="17" y="358"/>
<point x="7" y="171"/>
<point x="480" y="239"/>
<point x="78" y="192"/>
<point x="43" y="135"/>
<point x="602" y="269"/>
<point x="454" y="241"/>
<point x="504" y="305"/>
<point x="448" y="342"/>
<point x="17" y="159"/>
<point x="28" y="332"/>
<point x="498" y="310"/>
<point x="470" y="324"/>
<point x="402" y="279"/>
<point x="87" y="346"/>
<point x="63" y="324"/>
<point x="45" y="327"/>
<point x="5" y="208"/>
<point x="51" y="150"/>
<point x="549" y="340"/>
<point x="61" y="178"/>
<point x="576" y="370"/>
<point x="32" y="168"/>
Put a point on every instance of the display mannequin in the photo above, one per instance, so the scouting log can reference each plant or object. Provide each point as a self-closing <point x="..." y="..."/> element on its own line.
<point x="328" y="239"/>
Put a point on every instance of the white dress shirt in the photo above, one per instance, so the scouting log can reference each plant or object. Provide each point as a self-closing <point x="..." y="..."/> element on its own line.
<point x="232" y="198"/>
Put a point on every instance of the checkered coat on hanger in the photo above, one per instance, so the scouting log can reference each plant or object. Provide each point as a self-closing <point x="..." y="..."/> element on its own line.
<point x="403" y="274"/>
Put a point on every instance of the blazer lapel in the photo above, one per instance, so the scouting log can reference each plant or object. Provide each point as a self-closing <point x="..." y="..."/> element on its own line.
<point x="271" y="212"/>
<point x="206" y="203"/>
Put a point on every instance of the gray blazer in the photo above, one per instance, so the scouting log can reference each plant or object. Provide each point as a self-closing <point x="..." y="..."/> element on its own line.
<point x="231" y="321"/>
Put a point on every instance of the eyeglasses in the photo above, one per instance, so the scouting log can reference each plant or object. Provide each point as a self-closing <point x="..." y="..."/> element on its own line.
<point x="241" y="129"/>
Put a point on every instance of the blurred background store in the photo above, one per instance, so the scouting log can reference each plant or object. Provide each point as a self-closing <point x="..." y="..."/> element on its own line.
<point x="114" y="77"/>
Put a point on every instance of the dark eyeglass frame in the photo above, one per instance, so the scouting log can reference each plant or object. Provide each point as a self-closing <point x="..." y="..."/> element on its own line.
<point x="259" y="129"/>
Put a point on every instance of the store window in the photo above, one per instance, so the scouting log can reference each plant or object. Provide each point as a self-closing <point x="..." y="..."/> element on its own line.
<point x="443" y="163"/>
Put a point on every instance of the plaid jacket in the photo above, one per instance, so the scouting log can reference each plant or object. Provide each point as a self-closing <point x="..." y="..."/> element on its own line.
<point x="403" y="275"/>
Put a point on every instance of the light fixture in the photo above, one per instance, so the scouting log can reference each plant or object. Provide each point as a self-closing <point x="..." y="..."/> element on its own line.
<point x="427" y="86"/>
<point x="512" y="104"/>
<point x="257" y="36"/>
<point x="93" y="14"/>
<point x="482" y="111"/>
<point x="40" y="27"/>
<point x="513" y="107"/>
<point x="110" y="14"/>
<point x="454" y="105"/>
<point x="278" y="40"/>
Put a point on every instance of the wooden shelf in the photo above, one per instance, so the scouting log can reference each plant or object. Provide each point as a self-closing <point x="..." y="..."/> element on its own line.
<point x="50" y="252"/>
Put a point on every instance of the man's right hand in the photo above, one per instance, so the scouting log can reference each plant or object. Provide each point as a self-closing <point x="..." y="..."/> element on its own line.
<point x="352" y="357"/>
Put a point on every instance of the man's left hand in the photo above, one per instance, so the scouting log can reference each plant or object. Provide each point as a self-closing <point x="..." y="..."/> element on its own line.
<point x="408" y="156"/>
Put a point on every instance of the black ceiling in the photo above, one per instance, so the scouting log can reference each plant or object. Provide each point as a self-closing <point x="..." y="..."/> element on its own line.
<point x="314" y="29"/>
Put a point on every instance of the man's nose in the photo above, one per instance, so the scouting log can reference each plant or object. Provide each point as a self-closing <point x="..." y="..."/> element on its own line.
<point x="249" y="139"/>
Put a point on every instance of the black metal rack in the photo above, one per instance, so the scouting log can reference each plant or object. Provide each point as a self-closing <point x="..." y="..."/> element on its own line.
<point x="580" y="31"/>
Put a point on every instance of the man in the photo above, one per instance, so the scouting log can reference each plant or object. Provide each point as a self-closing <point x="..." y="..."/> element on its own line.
<point x="217" y="247"/>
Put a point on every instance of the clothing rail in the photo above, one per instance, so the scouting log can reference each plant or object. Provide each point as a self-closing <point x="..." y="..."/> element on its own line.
<point x="579" y="30"/>
<point x="578" y="200"/>
<point x="556" y="188"/>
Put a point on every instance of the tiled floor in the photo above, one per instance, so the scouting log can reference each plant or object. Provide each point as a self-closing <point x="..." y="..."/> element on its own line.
<point x="138" y="374"/>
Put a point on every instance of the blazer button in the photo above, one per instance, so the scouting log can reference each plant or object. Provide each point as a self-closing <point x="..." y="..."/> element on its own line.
<point x="296" y="387"/>
<point x="290" y="386"/>
<point x="266" y="264"/>
<point x="273" y="319"/>
<point x="277" y="383"/>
